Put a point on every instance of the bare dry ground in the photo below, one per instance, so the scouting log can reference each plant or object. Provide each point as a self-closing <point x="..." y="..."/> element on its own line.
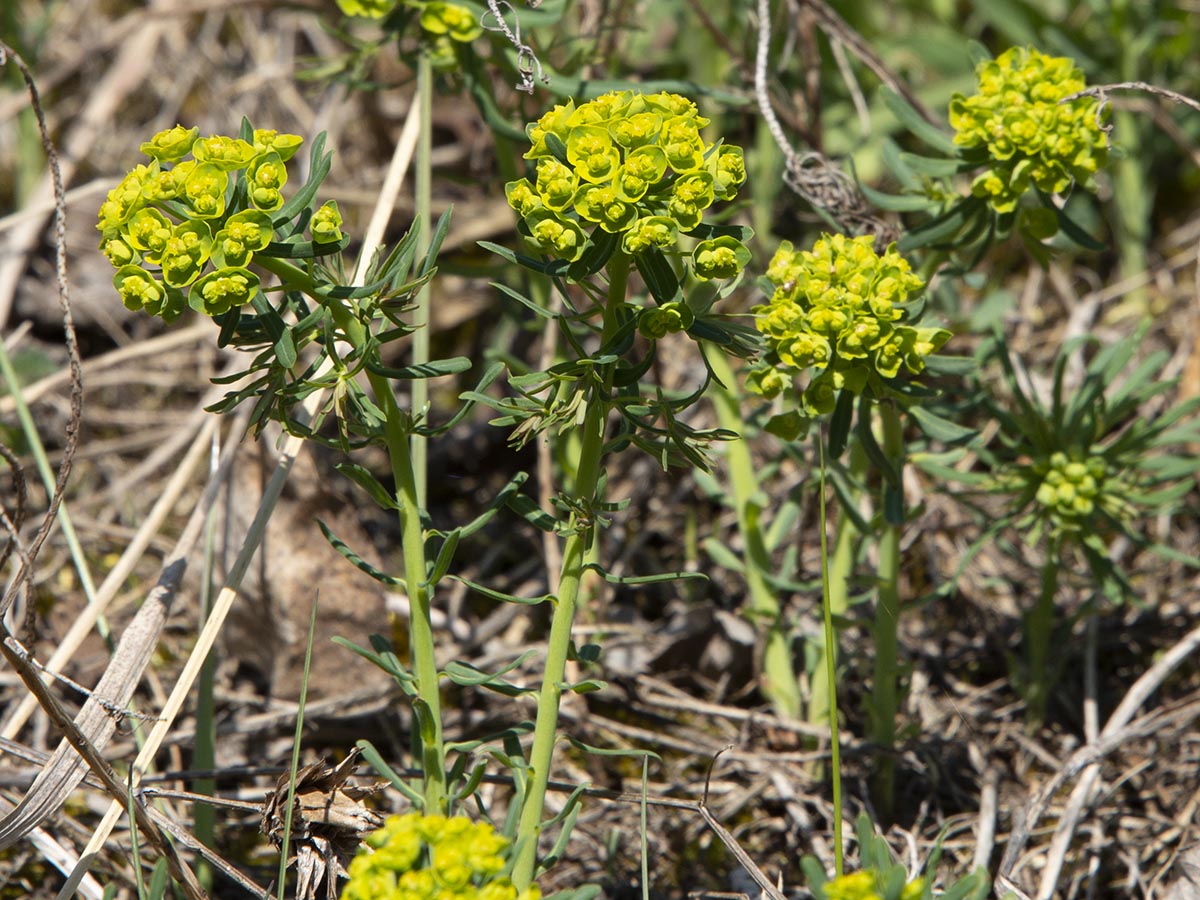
<point x="1113" y="802"/>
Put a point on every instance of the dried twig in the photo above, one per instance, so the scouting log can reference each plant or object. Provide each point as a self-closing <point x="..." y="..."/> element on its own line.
<point x="71" y="432"/>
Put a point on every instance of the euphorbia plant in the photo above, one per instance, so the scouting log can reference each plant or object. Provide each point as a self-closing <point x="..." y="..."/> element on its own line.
<point x="844" y="320"/>
<point x="191" y="233"/>
<point x="621" y="182"/>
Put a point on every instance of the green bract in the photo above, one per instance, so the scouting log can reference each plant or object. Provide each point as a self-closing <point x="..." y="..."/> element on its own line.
<point x="119" y="252"/>
<point x="722" y="257"/>
<point x="148" y="230"/>
<point x="185" y="253"/>
<point x="556" y="184"/>
<point x="651" y="231"/>
<point x="223" y="152"/>
<point x="205" y="190"/>
<point x="657" y="322"/>
<point x="123" y="200"/>
<point x="840" y="308"/>
<point x="561" y="237"/>
<point x="167" y="184"/>
<point x="630" y="164"/>
<point x="326" y="224"/>
<point x="433" y="858"/>
<point x="139" y="289"/>
<point x="1031" y="139"/>
<point x="522" y="197"/>
<point x="371" y="9"/>
<point x="267" y="141"/>
<point x="172" y="144"/>
<point x="244" y="232"/>
<point x="457" y="22"/>
<point x="266" y="175"/>
<point x="222" y="290"/>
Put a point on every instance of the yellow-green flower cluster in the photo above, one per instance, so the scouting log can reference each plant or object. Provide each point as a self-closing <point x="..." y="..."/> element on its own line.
<point x="634" y="165"/>
<point x="1069" y="488"/>
<point x="168" y="220"/>
<point x="1031" y="139"/>
<point x="865" y="886"/>
<point x="443" y="24"/>
<point x="841" y="308"/>
<point x="415" y="857"/>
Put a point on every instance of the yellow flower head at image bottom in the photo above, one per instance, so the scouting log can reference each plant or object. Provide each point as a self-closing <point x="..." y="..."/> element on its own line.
<point x="865" y="886"/>
<point x="415" y="857"/>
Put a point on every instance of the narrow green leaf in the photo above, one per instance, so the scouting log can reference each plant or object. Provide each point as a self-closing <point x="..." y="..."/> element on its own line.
<point x="369" y="483"/>
<point x="931" y="166"/>
<point x="952" y="366"/>
<point x="500" y="595"/>
<point x="645" y="579"/>
<point x="941" y="429"/>
<point x="357" y="561"/>
<point x="523" y="300"/>
<point x="445" y="556"/>
<point x="587" y="686"/>
<point x="723" y="556"/>
<point x="1074" y="230"/>
<point x="302" y="249"/>
<point x="839" y="424"/>
<point x="912" y="120"/>
<point x="434" y="369"/>
<point x="435" y="242"/>
<point x="527" y="509"/>
<point x="897" y="202"/>
<point x="601" y="246"/>
<point x="377" y="762"/>
<point x="660" y="278"/>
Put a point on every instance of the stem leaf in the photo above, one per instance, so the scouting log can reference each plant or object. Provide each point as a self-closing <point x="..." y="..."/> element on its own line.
<point x="357" y="561"/>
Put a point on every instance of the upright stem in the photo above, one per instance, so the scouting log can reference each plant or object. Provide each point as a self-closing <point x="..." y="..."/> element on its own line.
<point x="420" y="622"/>
<point x="397" y="437"/>
<point x="778" y="674"/>
<point x="835" y="749"/>
<point x="1039" y="625"/>
<point x="887" y="616"/>
<point x="424" y="218"/>
<point x="821" y="707"/>
<point x="575" y="553"/>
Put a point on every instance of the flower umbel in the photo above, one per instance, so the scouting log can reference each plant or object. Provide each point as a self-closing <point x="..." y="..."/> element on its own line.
<point x="171" y="220"/>
<point x="1030" y="138"/>
<point x="841" y="308"/>
<point x="630" y="164"/>
<point x="415" y="857"/>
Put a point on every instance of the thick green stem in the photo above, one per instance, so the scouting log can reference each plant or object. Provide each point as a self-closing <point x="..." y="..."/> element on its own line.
<point x="424" y="218"/>
<point x="778" y="675"/>
<point x="575" y="552"/>
<point x="1039" y="625"/>
<point x="397" y="437"/>
<point x="886" y="637"/>
<point x="835" y="744"/>
<point x="433" y="753"/>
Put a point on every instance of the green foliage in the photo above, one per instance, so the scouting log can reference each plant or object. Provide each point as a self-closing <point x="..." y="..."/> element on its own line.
<point x="1086" y="466"/>
<point x="882" y="878"/>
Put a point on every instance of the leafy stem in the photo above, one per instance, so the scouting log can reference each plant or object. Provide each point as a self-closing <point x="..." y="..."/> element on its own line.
<point x="398" y="436"/>
<point x="588" y="470"/>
